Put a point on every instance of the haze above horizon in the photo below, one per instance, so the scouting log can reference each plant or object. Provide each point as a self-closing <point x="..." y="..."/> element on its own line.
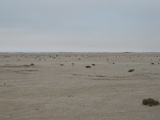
<point x="79" y="26"/>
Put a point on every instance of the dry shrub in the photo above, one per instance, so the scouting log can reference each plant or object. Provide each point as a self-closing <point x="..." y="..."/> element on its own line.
<point x="150" y="102"/>
<point x="88" y="66"/>
<point x="31" y="64"/>
<point x="131" y="70"/>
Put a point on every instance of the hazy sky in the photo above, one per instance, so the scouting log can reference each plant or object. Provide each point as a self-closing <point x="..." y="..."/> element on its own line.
<point x="79" y="25"/>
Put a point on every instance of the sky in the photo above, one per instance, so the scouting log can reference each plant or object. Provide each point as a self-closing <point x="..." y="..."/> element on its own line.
<point x="79" y="26"/>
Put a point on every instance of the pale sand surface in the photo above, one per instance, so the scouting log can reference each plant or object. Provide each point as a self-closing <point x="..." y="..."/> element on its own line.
<point x="106" y="91"/>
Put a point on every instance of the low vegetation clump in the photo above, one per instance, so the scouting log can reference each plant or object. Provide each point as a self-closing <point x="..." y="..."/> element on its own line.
<point x="61" y="65"/>
<point x="88" y="66"/>
<point x="131" y="70"/>
<point x="150" y="102"/>
<point x="93" y="64"/>
<point x="31" y="64"/>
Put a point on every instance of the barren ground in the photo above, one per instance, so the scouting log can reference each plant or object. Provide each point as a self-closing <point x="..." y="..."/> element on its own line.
<point x="55" y="89"/>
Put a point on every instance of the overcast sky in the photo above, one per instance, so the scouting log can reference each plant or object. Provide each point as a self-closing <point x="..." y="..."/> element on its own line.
<point x="79" y="25"/>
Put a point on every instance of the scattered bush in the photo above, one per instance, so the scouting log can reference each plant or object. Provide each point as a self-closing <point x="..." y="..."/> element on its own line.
<point x="150" y="102"/>
<point x="93" y="64"/>
<point x="61" y="64"/>
<point x="88" y="66"/>
<point x="131" y="70"/>
<point x="152" y="63"/>
<point x="31" y="64"/>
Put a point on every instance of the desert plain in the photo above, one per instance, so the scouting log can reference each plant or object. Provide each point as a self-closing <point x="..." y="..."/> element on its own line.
<point x="58" y="86"/>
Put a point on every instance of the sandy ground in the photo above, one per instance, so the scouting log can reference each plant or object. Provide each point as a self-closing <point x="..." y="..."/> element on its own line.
<point x="55" y="89"/>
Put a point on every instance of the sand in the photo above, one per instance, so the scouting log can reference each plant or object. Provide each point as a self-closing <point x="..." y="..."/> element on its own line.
<point x="58" y="86"/>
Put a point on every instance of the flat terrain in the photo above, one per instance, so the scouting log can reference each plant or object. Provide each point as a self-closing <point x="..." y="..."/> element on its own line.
<point x="58" y="86"/>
